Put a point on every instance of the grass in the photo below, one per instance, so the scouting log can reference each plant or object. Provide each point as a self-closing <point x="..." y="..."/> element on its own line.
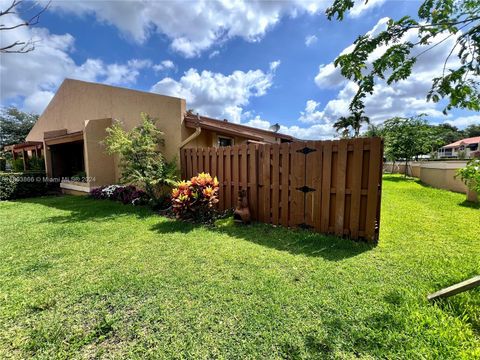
<point x="95" y="279"/>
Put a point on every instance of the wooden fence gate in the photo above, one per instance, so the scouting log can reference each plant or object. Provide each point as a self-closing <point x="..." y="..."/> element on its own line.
<point x="329" y="186"/>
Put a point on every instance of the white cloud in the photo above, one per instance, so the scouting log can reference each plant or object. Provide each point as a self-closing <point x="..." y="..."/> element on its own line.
<point x="164" y="65"/>
<point x="35" y="76"/>
<point x="314" y="132"/>
<point x="216" y="94"/>
<point x="214" y="54"/>
<point x="405" y="98"/>
<point x="464" y="121"/>
<point x="362" y="6"/>
<point x="274" y="65"/>
<point x="193" y="27"/>
<point x="310" y="40"/>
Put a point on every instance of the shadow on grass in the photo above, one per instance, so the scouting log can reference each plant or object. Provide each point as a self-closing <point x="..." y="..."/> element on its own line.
<point x="293" y="241"/>
<point x="81" y="209"/>
<point x="400" y="178"/>
<point x="469" y="204"/>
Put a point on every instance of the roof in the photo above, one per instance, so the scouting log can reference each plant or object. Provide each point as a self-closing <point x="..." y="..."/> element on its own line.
<point x="194" y="120"/>
<point x="467" y="141"/>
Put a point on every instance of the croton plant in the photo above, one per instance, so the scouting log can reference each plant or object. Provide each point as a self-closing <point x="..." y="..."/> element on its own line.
<point x="195" y="199"/>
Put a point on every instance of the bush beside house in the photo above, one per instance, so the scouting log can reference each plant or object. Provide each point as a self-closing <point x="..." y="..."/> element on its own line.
<point x="22" y="185"/>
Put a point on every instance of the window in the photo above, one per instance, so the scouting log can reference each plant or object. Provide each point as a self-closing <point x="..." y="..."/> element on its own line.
<point x="224" y="141"/>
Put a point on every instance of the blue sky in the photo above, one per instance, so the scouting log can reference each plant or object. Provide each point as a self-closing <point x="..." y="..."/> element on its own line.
<point x="256" y="63"/>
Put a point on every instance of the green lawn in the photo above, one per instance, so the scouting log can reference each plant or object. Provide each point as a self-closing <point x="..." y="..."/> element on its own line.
<point x="85" y="279"/>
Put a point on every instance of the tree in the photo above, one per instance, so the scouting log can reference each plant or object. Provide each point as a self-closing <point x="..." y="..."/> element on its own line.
<point x="343" y="125"/>
<point x="354" y="121"/>
<point x="374" y="131"/>
<point x="141" y="160"/>
<point x="15" y="125"/>
<point x="459" y="85"/>
<point x="406" y="138"/>
<point x="19" y="46"/>
<point x="472" y="130"/>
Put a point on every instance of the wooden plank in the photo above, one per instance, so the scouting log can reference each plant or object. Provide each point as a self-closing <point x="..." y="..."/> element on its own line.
<point x="221" y="177"/>
<point x="206" y="160"/>
<point x="373" y="188"/>
<point x="243" y="166"/>
<point x="189" y="164"/>
<point x="253" y="180"/>
<point x="228" y="177"/>
<point x="275" y="176"/>
<point x="456" y="289"/>
<point x="194" y="162"/>
<point x="356" y="189"/>
<point x="285" y="177"/>
<point x="326" y="183"/>
<point x="213" y="162"/>
<point x="314" y="181"/>
<point x="266" y="184"/>
<point x="183" y="163"/>
<point x="236" y="174"/>
<point x="340" y="187"/>
<point x="297" y="177"/>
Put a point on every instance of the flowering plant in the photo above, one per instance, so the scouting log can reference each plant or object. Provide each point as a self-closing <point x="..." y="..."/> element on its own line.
<point x="195" y="199"/>
<point x="125" y="194"/>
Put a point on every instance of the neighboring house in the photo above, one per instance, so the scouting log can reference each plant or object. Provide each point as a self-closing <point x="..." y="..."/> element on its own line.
<point x="461" y="148"/>
<point x="74" y="124"/>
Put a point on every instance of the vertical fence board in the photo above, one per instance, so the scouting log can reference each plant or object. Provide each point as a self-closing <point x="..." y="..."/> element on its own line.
<point x="340" y="187"/>
<point x="356" y="187"/>
<point x="285" y="178"/>
<point x="221" y="177"/>
<point x="228" y="177"/>
<point x="253" y="180"/>
<point x="275" y="169"/>
<point x="266" y="211"/>
<point x="326" y="179"/>
<point x="297" y="177"/>
<point x="236" y="174"/>
<point x="373" y="187"/>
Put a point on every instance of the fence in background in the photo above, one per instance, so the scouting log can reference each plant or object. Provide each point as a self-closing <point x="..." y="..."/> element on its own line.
<point x="329" y="186"/>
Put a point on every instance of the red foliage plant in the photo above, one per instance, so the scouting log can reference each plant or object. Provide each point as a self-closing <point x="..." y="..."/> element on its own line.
<point x="195" y="199"/>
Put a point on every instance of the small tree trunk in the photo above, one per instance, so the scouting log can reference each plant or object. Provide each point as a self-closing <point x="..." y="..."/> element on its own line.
<point x="406" y="167"/>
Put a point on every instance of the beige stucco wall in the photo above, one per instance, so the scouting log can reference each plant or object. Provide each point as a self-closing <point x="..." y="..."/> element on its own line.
<point x="439" y="174"/>
<point x="100" y="167"/>
<point x="77" y="101"/>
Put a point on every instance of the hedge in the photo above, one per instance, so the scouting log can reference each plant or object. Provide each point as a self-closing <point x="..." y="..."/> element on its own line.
<point x="21" y="185"/>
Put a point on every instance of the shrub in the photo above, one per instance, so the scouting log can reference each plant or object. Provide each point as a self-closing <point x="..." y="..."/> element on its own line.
<point x="125" y="194"/>
<point x="36" y="163"/>
<point x="195" y="199"/>
<point x="21" y="185"/>
<point x="470" y="174"/>
<point x="141" y="160"/>
<point x="17" y="165"/>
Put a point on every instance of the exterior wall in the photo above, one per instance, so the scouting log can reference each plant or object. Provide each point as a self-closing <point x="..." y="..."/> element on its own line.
<point x="208" y="138"/>
<point x="77" y="101"/>
<point x="98" y="165"/>
<point x="439" y="174"/>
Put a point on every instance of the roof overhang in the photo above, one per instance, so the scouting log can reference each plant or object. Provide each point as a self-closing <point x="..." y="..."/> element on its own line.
<point x="66" y="138"/>
<point x="225" y="127"/>
<point x="25" y="146"/>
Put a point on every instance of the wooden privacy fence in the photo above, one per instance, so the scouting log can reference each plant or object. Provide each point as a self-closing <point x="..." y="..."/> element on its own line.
<point x="329" y="186"/>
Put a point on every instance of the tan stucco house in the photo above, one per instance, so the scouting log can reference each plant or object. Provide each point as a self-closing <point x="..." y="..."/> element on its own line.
<point x="73" y="126"/>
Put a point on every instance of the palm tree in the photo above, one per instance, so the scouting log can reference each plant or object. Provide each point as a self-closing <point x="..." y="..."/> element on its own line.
<point x="358" y="119"/>
<point x="354" y="121"/>
<point x="343" y="125"/>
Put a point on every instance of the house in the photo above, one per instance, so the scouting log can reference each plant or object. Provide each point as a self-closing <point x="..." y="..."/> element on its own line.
<point x="74" y="123"/>
<point x="465" y="148"/>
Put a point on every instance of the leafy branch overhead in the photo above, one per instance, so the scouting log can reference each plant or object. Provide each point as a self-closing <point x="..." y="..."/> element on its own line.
<point x="438" y="20"/>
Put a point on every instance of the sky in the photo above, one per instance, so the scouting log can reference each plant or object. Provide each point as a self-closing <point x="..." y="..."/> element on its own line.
<point x="256" y="63"/>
